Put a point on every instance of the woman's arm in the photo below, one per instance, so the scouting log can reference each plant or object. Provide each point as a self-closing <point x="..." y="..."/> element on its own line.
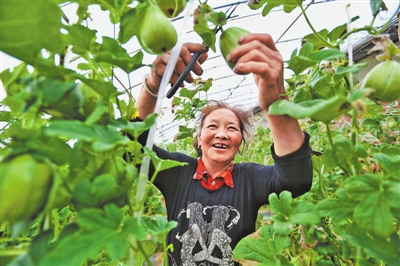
<point x="146" y="101"/>
<point x="257" y="54"/>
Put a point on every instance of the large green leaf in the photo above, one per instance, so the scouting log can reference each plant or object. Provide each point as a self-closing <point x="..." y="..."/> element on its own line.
<point x="263" y="246"/>
<point x="386" y="250"/>
<point x="103" y="138"/>
<point x="161" y="164"/>
<point x="358" y="188"/>
<point x="98" y="229"/>
<point x="27" y="27"/>
<point x="61" y="99"/>
<point x="308" y="56"/>
<point x="81" y="38"/>
<point x="337" y="208"/>
<point x="287" y="212"/>
<point x="318" y="110"/>
<point x="374" y="215"/>
<point x="111" y="52"/>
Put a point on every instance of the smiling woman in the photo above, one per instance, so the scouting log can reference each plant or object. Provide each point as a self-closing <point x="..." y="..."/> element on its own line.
<point x="221" y="199"/>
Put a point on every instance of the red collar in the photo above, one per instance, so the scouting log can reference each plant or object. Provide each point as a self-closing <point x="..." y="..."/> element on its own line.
<point x="210" y="183"/>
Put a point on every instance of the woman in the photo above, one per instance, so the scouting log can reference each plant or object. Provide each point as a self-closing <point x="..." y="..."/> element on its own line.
<point x="227" y="196"/>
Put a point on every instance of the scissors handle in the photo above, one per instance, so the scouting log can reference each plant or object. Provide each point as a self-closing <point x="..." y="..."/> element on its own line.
<point x="182" y="77"/>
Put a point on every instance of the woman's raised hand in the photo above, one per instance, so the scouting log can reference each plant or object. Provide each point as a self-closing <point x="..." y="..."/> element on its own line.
<point x="257" y="54"/>
<point x="188" y="49"/>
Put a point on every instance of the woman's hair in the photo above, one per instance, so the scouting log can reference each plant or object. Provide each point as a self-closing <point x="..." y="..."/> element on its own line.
<point x="243" y="116"/>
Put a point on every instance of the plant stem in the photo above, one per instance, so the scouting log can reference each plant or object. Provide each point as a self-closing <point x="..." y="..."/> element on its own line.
<point x="56" y="223"/>
<point x="355" y="138"/>
<point x="329" y="133"/>
<point x="369" y="29"/>
<point x="129" y="194"/>
<point x="314" y="31"/>
<point x="321" y="186"/>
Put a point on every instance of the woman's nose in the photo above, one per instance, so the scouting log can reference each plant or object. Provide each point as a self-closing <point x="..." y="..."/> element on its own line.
<point x="221" y="133"/>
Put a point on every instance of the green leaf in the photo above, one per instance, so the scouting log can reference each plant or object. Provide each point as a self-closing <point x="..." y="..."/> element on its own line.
<point x="105" y="89"/>
<point x="28" y="27"/>
<point x="139" y="127"/>
<point x="339" y="209"/>
<point x="82" y="197"/>
<point x="10" y="78"/>
<point x="81" y="38"/>
<point x="54" y="149"/>
<point x="317" y="164"/>
<point x="113" y="53"/>
<point x="392" y="189"/>
<point x="202" y="28"/>
<point x="63" y="98"/>
<point x="70" y="129"/>
<point x="149" y="247"/>
<point x="288" y="6"/>
<point x="263" y="246"/>
<point x="162" y="164"/>
<point x="184" y="132"/>
<point x="373" y="214"/>
<point x="304" y="213"/>
<point x="282" y="204"/>
<point x="376" y="5"/>
<point x="287" y="212"/>
<point x="338" y="31"/>
<point x="103" y="138"/>
<point x="358" y="188"/>
<point x="312" y="38"/>
<point x="184" y="92"/>
<point x="98" y="229"/>
<point x="40" y="246"/>
<point x="386" y="250"/>
<point x="107" y="138"/>
<point x="308" y="56"/>
<point x="389" y="164"/>
<point x="158" y="225"/>
<point x="343" y="155"/>
<point x="318" y="110"/>
<point x="131" y="23"/>
<point x="104" y="187"/>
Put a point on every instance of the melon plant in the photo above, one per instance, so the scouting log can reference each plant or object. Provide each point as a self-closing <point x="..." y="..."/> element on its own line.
<point x="80" y="203"/>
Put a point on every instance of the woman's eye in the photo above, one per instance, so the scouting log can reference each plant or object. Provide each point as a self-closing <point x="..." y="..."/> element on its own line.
<point x="211" y="126"/>
<point x="232" y="128"/>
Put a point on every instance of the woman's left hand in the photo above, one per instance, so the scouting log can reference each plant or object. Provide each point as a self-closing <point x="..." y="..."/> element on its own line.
<point x="257" y="54"/>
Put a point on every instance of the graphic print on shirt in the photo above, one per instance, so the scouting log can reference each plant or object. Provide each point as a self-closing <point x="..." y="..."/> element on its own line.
<point x="209" y="235"/>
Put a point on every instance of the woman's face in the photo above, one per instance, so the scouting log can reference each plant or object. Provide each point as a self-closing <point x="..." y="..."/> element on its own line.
<point x="220" y="137"/>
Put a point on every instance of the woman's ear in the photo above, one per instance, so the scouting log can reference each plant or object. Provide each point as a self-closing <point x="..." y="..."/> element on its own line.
<point x="198" y="140"/>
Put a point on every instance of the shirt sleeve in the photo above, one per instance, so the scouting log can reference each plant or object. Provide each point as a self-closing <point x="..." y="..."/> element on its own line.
<point x="294" y="170"/>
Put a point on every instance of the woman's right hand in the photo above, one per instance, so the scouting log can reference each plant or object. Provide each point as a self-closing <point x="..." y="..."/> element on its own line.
<point x="188" y="49"/>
